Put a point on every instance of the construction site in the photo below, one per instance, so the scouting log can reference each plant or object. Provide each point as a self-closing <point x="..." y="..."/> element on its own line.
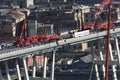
<point x="59" y="40"/>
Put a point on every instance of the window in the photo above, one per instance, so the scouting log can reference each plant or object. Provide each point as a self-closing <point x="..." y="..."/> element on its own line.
<point x="74" y="47"/>
<point x="80" y="47"/>
<point x="91" y="15"/>
<point x="86" y="20"/>
<point x="86" y="15"/>
<point x="92" y="20"/>
<point x="63" y="47"/>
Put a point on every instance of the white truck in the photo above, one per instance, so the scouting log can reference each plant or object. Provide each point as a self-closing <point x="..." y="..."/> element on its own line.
<point x="81" y="33"/>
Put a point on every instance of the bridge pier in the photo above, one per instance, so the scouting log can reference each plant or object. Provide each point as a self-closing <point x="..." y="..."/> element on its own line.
<point x="53" y="63"/>
<point x="7" y="70"/>
<point x="18" y="69"/>
<point x="117" y="50"/>
<point x="34" y="67"/>
<point x="1" y="78"/>
<point x="97" y="72"/>
<point x="25" y="69"/>
<point x="84" y="46"/>
<point x="113" y="66"/>
<point x="100" y="45"/>
<point x="45" y="65"/>
<point x="96" y="66"/>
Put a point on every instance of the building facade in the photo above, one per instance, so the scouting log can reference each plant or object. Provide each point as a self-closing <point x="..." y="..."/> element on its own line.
<point x="26" y="3"/>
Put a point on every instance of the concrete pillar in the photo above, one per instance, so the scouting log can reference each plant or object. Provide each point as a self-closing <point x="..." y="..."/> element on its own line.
<point x="18" y="69"/>
<point x="97" y="72"/>
<point x="101" y="56"/>
<point x="113" y="66"/>
<point x="7" y="70"/>
<point x="34" y="66"/>
<point x="1" y="78"/>
<point x="53" y="64"/>
<point x="96" y="66"/>
<point x="26" y="69"/>
<point x="45" y="65"/>
<point x="118" y="51"/>
<point x="65" y="0"/>
<point x="84" y="46"/>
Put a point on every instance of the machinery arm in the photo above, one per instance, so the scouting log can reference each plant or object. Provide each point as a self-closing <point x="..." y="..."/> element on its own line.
<point x="22" y="31"/>
<point x="108" y="40"/>
<point x="103" y="4"/>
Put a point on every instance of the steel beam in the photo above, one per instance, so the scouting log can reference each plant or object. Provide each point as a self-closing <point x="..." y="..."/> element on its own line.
<point x="25" y="69"/>
<point x="18" y="69"/>
<point x="7" y="70"/>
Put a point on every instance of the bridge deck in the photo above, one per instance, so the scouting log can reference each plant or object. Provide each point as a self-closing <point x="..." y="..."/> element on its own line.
<point x="48" y="47"/>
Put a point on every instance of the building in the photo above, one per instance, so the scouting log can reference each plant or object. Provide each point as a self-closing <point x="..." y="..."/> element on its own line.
<point x="117" y="6"/>
<point x="21" y="3"/>
<point x="11" y="22"/>
<point x="26" y="3"/>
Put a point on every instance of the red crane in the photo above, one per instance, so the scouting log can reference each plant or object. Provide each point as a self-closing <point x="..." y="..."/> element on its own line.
<point x="101" y="19"/>
<point x="105" y="2"/>
<point x="20" y="41"/>
<point x="28" y="40"/>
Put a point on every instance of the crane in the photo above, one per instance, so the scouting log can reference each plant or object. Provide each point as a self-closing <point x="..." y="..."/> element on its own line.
<point x="105" y="2"/>
<point x="101" y="17"/>
<point x="20" y="41"/>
